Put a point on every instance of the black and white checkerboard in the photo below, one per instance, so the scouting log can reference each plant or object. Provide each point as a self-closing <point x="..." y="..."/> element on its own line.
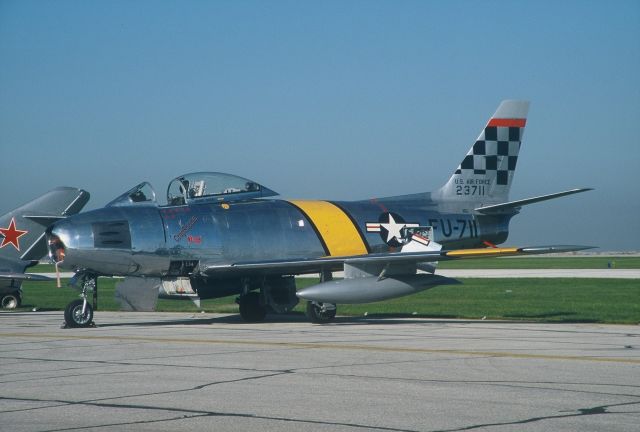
<point x="496" y="150"/>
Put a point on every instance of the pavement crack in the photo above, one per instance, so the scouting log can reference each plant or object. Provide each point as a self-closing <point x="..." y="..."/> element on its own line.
<point x="530" y="385"/>
<point x="580" y="412"/>
<point x="96" y="401"/>
<point x="189" y="414"/>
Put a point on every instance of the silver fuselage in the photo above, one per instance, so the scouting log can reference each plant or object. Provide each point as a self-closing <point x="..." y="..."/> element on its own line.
<point x="150" y="240"/>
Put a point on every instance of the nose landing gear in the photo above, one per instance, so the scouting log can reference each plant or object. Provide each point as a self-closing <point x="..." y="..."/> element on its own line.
<point x="79" y="313"/>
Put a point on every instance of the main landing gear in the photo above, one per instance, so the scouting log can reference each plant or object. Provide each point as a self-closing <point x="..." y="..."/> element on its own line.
<point x="250" y="308"/>
<point x="318" y="312"/>
<point x="276" y="294"/>
<point x="321" y="313"/>
<point x="79" y="313"/>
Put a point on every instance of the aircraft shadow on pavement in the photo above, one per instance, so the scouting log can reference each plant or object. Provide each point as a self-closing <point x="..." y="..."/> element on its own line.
<point x="566" y="314"/>
<point x="195" y="320"/>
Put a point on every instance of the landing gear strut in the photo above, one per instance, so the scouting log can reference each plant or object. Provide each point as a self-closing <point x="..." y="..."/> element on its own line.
<point x="320" y="313"/>
<point x="79" y="313"/>
<point x="250" y="308"/>
<point x="277" y="294"/>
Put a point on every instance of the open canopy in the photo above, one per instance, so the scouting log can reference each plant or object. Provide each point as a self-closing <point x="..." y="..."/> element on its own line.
<point x="213" y="187"/>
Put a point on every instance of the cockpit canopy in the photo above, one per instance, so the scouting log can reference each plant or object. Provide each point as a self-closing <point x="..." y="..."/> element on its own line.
<point x="142" y="194"/>
<point x="200" y="187"/>
<point x="213" y="187"/>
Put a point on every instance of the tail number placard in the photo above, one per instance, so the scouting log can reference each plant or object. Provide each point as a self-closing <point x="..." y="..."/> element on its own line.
<point x="471" y="190"/>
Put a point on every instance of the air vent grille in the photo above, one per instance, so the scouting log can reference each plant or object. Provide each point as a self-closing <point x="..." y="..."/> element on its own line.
<point x="113" y="235"/>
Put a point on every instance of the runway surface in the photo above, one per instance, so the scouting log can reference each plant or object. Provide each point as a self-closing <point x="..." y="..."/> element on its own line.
<point x="183" y="372"/>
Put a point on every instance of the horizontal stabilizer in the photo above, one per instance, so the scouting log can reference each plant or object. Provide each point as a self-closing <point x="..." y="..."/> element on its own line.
<point x="515" y="205"/>
<point x="44" y="220"/>
<point x="24" y="276"/>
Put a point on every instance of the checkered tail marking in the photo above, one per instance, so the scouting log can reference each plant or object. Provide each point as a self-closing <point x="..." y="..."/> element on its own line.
<point x="495" y="152"/>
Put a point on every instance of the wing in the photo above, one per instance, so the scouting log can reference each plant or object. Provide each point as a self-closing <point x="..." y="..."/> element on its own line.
<point x="314" y="265"/>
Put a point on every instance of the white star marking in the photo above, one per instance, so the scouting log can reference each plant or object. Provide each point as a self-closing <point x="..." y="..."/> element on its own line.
<point x="393" y="228"/>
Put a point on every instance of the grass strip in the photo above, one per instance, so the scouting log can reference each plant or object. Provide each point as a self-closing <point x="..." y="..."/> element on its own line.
<point x="531" y="299"/>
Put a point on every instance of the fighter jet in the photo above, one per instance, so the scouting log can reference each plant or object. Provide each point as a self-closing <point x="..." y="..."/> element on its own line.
<point x="23" y="238"/>
<point x="221" y="234"/>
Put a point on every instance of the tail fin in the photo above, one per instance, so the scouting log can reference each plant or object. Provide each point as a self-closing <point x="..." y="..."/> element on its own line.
<point x="486" y="172"/>
<point x="22" y="230"/>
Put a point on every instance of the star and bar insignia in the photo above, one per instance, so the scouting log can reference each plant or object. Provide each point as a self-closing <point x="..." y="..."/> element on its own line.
<point x="391" y="228"/>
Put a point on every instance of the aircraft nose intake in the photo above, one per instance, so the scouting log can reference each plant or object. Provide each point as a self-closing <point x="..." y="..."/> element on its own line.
<point x="57" y="248"/>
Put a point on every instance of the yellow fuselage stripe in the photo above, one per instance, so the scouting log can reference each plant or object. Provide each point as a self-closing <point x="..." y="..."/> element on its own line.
<point x="338" y="232"/>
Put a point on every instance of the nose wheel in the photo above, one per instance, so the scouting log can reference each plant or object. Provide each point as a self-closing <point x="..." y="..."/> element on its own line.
<point x="79" y="313"/>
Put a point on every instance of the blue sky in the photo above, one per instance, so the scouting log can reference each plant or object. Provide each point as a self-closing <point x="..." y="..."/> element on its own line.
<point x="333" y="100"/>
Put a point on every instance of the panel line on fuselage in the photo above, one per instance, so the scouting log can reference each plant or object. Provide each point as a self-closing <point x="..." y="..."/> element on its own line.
<point x="336" y="230"/>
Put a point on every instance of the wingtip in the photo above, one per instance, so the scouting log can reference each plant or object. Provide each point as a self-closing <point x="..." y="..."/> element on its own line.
<point x="556" y="249"/>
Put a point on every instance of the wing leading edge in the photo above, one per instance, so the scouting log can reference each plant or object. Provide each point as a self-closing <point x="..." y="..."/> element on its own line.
<point x="311" y="265"/>
<point x="24" y="276"/>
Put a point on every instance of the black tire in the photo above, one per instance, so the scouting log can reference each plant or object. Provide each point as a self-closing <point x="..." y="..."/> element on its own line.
<point x="73" y="314"/>
<point x="317" y="315"/>
<point x="250" y="308"/>
<point x="10" y="301"/>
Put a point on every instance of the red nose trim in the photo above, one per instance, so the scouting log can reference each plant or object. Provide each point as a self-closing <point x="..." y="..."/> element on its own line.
<point x="56" y="248"/>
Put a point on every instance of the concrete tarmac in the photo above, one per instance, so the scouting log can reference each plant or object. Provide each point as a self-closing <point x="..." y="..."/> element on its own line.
<point x="184" y="372"/>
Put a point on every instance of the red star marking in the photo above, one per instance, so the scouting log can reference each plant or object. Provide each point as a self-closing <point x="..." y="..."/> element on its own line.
<point x="11" y="235"/>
